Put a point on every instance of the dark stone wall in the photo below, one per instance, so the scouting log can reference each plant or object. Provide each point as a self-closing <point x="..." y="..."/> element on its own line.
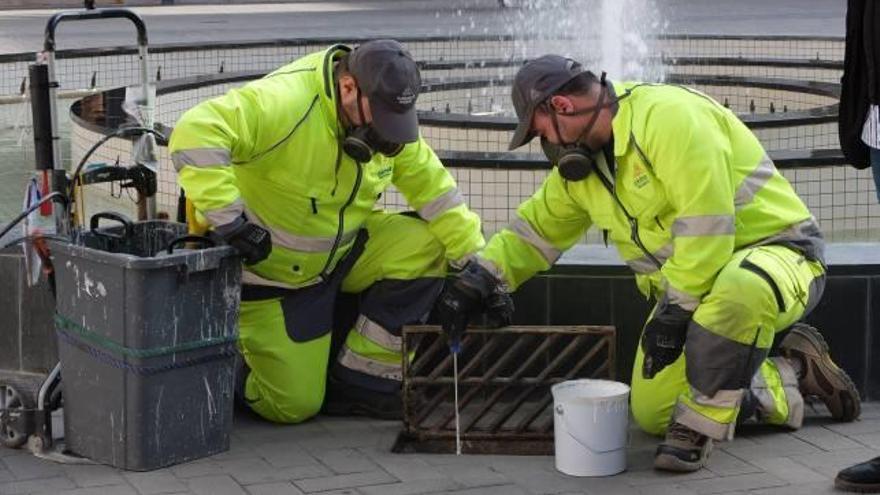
<point x="590" y="286"/>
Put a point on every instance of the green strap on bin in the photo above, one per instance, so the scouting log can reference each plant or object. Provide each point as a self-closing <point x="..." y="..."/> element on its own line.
<point x="64" y="324"/>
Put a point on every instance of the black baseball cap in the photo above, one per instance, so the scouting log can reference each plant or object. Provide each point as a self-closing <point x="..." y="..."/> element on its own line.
<point x="536" y="81"/>
<point x="389" y="77"/>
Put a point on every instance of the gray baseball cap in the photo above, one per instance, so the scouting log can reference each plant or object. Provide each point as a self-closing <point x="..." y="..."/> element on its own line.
<point x="536" y="81"/>
<point x="389" y="77"/>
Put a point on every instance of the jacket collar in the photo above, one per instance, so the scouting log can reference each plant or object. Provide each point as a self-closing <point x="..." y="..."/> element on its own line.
<point x="326" y="85"/>
<point x="621" y="125"/>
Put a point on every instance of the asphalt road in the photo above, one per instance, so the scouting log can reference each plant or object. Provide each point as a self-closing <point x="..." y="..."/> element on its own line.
<point x="22" y="30"/>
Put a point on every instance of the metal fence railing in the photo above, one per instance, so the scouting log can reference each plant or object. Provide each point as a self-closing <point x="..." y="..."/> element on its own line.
<point x="767" y="79"/>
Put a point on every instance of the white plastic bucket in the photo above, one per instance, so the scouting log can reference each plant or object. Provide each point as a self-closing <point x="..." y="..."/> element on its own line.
<point x="590" y="421"/>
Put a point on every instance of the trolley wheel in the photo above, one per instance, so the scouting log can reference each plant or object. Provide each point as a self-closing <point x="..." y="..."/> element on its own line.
<point x="14" y="425"/>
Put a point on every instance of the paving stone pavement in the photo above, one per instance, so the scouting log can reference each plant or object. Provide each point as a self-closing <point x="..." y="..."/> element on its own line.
<point x="351" y="456"/>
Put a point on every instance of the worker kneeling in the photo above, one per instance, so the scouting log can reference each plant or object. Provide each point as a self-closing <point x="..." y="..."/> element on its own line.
<point x="714" y="233"/>
<point x="289" y="169"/>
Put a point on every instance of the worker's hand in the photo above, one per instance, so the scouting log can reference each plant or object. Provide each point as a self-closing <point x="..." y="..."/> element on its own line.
<point x="472" y="291"/>
<point x="253" y="243"/>
<point x="663" y="338"/>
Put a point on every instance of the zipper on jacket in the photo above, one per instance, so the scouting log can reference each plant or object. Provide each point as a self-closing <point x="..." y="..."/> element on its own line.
<point x="341" y="221"/>
<point x="633" y="223"/>
<point x="314" y="206"/>
<point x="336" y="169"/>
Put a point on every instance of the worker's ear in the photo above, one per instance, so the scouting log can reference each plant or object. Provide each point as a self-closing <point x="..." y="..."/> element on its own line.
<point x="347" y="89"/>
<point x="561" y="104"/>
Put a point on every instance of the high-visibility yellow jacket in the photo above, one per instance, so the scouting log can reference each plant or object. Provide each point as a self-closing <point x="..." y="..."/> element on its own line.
<point x="689" y="185"/>
<point x="271" y="150"/>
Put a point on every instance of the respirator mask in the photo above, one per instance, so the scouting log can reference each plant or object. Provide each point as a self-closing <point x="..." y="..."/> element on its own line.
<point x="576" y="160"/>
<point x="363" y="141"/>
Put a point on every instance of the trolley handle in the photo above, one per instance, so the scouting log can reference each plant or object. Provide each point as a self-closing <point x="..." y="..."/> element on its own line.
<point x="205" y="242"/>
<point x="128" y="232"/>
<point x="85" y="15"/>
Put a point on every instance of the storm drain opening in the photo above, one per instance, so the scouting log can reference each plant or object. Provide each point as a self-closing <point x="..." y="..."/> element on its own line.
<point x="505" y="375"/>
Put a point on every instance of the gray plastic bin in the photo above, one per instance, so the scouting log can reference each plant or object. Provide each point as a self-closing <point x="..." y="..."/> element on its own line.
<point x="146" y="342"/>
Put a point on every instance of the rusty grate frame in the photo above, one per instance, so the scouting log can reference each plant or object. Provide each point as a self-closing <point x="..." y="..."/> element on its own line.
<point x="505" y="377"/>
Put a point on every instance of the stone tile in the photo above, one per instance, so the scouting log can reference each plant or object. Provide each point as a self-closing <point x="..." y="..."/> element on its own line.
<point x="825" y="439"/>
<point x="215" y="485"/>
<point x="344" y="425"/>
<point x="403" y="466"/>
<point x="261" y="435"/>
<point x="25" y="466"/>
<point x="724" y="464"/>
<point x="237" y="450"/>
<point x="88" y="475"/>
<point x="546" y="482"/>
<point x="771" y="446"/>
<point x="829" y="463"/>
<point x="252" y="471"/>
<point x="45" y="485"/>
<point x="411" y="487"/>
<point x="471" y="476"/>
<point x="614" y="485"/>
<point x="856" y="428"/>
<point x="285" y="488"/>
<point x="367" y="438"/>
<point x="4" y="452"/>
<point x="101" y="490"/>
<point x="640" y="460"/>
<point x="155" y="482"/>
<point x="788" y="470"/>
<point x="871" y="440"/>
<point x="734" y="483"/>
<point x="494" y="490"/>
<point x="638" y="439"/>
<point x="870" y="410"/>
<point x="5" y="475"/>
<point x="519" y="463"/>
<point x="652" y="477"/>
<point x="671" y="489"/>
<point x="819" y="488"/>
<point x="345" y="461"/>
<point x="450" y="460"/>
<point x="286" y="454"/>
<point x="353" y="480"/>
<point x="202" y="467"/>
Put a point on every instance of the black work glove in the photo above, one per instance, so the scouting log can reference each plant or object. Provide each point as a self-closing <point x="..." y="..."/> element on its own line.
<point x="663" y="338"/>
<point x="253" y="243"/>
<point x="472" y="291"/>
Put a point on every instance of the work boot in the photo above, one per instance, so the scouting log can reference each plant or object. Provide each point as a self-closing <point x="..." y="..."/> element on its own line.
<point x="344" y="399"/>
<point x="818" y="376"/>
<point x="683" y="450"/>
<point x="864" y="477"/>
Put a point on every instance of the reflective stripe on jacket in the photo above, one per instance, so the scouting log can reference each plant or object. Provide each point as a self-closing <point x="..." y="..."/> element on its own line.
<point x="271" y="150"/>
<point x="689" y="185"/>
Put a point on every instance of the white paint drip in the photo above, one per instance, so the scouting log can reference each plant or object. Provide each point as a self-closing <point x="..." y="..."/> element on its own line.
<point x="88" y="284"/>
<point x="157" y="415"/>
<point x="211" y="410"/>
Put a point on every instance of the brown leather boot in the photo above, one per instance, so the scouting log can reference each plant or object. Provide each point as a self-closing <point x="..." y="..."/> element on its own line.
<point x="819" y="376"/>
<point x="683" y="450"/>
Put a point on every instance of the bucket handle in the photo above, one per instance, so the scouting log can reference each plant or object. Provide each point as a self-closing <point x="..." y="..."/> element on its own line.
<point x="205" y="242"/>
<point x="109" y="215"/>
<point x="568" y="426"/>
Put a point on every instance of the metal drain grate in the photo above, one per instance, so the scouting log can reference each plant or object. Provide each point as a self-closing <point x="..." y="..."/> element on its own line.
<point x="505" y="377"/>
